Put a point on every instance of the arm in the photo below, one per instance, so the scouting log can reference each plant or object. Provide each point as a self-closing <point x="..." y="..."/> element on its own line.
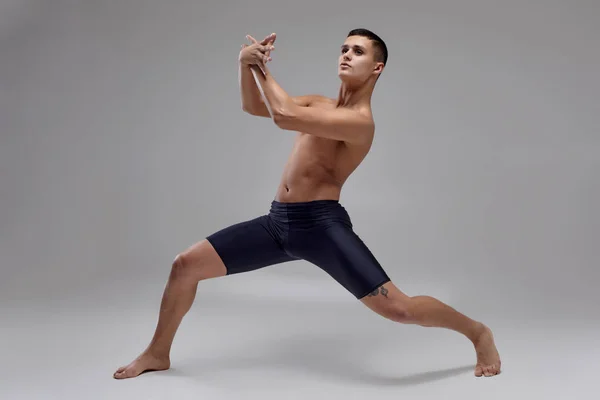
<point x="338" y="124"/>
<point x="252" y="101"/>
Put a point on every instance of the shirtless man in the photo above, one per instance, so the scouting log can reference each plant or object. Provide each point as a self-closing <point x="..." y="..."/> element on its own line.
<point x="306" y="220"/>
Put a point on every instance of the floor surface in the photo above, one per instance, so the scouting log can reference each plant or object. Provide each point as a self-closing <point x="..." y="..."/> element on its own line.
<point x="277" y="343"/>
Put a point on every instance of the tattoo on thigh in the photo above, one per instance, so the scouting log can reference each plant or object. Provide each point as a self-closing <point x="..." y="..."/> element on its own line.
<point x="381" y="290"/>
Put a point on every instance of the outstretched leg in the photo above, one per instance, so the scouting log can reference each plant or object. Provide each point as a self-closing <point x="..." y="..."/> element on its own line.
<point x="197" y="263"/>
<point x="242" y="247"/>
<point x="388" y="301"/>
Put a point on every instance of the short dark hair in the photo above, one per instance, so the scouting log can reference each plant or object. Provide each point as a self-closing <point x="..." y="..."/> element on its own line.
<point x="381" y="52"/>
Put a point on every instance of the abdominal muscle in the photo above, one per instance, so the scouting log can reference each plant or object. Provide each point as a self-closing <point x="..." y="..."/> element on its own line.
<point x="315" y="170"/>
<point x="302" y="189"/>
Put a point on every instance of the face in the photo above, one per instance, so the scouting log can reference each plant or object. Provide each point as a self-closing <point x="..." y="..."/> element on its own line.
<point x="358" y="53"/>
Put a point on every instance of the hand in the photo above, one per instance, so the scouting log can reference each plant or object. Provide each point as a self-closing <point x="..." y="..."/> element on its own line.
<point x="257" y="53"/>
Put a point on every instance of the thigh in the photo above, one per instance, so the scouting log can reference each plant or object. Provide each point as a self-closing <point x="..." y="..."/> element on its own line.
<point x="340" y="252"/>
<point x="249" y="245"/>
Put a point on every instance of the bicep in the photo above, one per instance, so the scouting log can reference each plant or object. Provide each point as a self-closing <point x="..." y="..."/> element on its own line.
<point x="338" y="124"/>
<point x="301" y="101"/>
<point x="306" y="100"/>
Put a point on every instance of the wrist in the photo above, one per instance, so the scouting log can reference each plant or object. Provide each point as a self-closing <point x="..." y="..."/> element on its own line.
<point x="245" y="64"/>
<point x="242" y="60"/>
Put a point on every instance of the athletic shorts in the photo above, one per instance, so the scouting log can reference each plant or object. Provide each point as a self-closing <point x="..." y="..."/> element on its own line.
<point x="318" y="231"/>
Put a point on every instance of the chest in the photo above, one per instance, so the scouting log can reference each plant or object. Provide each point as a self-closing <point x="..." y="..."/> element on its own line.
<point x="317" y="148"/>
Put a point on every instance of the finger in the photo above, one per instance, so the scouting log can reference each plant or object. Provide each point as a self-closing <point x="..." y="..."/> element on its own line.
<point x="266" y="40"/>
<point x="267" y="53"/>
<point x="265" y="49"/>
<point x="270" y="38"/>
<point x="260" y="59"/>
<point x="251" y="39"/>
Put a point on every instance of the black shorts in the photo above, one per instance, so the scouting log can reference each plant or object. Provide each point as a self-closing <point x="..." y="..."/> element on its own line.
<point x="319" y="232"/>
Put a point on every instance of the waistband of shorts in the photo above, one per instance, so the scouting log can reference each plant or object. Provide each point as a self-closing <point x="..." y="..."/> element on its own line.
<point x="308" y="210"/>
<point x="305" y="204"/>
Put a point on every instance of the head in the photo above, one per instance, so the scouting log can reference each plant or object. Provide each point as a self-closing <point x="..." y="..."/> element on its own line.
<point x="365" y="53"/>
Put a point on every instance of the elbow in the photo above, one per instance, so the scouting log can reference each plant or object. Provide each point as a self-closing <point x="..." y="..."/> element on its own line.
<point x="284" y="122"/>
<point x="247" y="109"/>
<point x="283" y="117"/>
<point x="279" y="119"/>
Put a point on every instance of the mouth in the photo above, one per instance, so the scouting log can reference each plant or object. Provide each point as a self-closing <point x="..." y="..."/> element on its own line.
<point x="345" y="65"/>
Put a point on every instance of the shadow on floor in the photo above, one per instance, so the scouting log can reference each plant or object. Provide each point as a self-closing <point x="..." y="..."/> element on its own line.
<point x="330" y="357"/>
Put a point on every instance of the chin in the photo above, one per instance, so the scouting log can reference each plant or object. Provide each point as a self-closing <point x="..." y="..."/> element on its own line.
<point x="346" y="77"/>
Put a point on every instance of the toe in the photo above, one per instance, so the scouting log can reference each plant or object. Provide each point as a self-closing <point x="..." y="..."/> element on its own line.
<point x="130" y="373"/>
<point x="478" y="370"/>
<point x="124" y="373"/>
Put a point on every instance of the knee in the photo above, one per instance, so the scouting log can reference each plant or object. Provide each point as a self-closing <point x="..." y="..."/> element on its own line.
<point x="181" y="268"/>
<point x="196" y="264"/>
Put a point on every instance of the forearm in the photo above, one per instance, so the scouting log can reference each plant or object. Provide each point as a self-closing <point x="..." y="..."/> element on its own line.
<point x="275" y="98"/>
<point x="251" y="97"/>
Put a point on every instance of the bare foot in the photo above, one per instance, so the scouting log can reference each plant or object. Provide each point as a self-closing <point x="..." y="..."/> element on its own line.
<point x="145" y="362"/>
<point x="488" y="359"/>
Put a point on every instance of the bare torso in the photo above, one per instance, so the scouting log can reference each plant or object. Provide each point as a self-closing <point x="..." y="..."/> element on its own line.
<point x="317" y="167"/>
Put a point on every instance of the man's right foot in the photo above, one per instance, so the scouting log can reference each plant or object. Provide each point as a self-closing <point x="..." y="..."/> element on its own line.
<point x="145" y="362"/>
<point x="488" y="359"/>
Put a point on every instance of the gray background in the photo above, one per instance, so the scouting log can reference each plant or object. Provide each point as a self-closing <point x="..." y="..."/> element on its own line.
<point x="123" y="142"/>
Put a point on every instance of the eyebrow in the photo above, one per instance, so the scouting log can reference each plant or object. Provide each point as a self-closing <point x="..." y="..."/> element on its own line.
<point x="355" y="46"/>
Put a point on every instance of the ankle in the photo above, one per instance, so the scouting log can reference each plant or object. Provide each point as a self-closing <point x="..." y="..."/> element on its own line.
<point x="158" y="353"/>
<point x="478" y="330"/>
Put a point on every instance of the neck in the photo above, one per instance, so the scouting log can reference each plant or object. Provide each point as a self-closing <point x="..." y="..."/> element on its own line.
<point x="355" y="95"/>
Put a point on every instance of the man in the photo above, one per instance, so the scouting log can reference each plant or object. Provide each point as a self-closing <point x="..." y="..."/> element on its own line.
<point x="306" y="220"/>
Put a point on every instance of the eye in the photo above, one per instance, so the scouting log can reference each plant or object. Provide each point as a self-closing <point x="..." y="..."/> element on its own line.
<point x="358" y="51"/>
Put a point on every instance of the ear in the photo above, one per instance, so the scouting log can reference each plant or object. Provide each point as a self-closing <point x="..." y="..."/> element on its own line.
<point x="379" y="68"/>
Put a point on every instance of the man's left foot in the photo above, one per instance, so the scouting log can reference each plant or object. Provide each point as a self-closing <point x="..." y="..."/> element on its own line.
<point x="488" y="359"/>
<point x="145" y="362"/>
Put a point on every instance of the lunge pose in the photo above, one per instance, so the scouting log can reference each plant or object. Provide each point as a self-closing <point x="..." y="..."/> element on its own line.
<point x="305" y="220"/>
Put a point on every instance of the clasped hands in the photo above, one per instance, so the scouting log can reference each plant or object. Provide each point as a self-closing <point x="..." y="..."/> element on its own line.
<point x="257" y="53"/>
